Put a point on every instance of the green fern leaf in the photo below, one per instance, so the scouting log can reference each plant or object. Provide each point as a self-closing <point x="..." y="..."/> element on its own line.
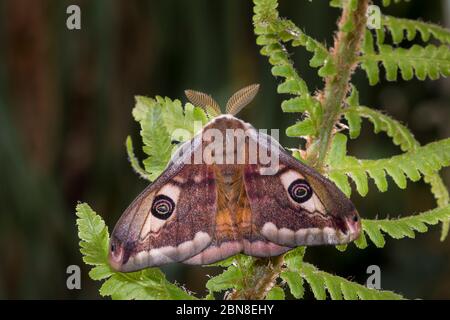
<point x="134" y="161"/>
<point x="341" y="181"/>
<point x="401" y="136"/>
<point x="163" y="121"/>
<point x="276" y="293"/>
<point x="156" y="139"/>
<point x="370" y="66"/>
<point x="387" y="3"/>
<point x="295" y="283"/>
<point x="339" y="288"/>
<point x="374" y="234"/>
<point x="399" y="28"/>
<point x="354" y="123"/>
<point x="422" y="62"/>
<point x="441" y="195"/>
<point x="302" y="129"/>
<point x="273" y="33"/>
<point x="361" y="242"/>
<point x="352" y="116"/>
<point x="157" y="143"/>
<point x="94" y="236"/>
<point x="425" y="160"/>
<point x="315" y="281"/>
<point x="234" y="276"/>
<point x="185" y="121"/>
<point x="141" y="107"/>
<point x="294" y="258"/>
<point x="352" y="4"/>
<point x="271" y="29"/>
<point x="146" y="284"/>
<point x="230" y="278"/>
<point x="402" y="227"/>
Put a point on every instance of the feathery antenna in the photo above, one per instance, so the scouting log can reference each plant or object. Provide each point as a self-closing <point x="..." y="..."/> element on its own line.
<point x="204" y="101"/>
<point x="241" y="98"/>
<point x="235" y="104"/>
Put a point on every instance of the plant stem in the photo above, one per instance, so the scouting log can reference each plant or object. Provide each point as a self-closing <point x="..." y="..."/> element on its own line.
<point x="345" y="54"/>
<point x="264" y="275"/>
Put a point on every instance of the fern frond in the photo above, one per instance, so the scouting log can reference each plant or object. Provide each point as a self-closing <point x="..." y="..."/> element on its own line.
<point x="294" y="260"/>
<point x="189" y="119"/>
<point x="273" y="32"/>
<point x="387" y="3"/>
<point x="276" y="293"/>
<point x="295" y="283"/>
<point x="401" y="136"/>
<point x="340" y="4"/>
<point x="271" y="29"/>
<point x="143" y="285"/>
<point x="268" y="28"/>
<point x="148" y="284"/>
<point x="94" y="237"/>
<point x="163" y="122"/>
<point x="441" y="195"/>
<point x="157" y="143"/>
<point x="338" y="288"/>
<point x="418" y="61"/>
<point x="321" y="57"/>
<point x="134" y="161"/>
<point x="231" y="278"/>
<point x="399" y="28"/>
<point x="234" y="277"/>
<point x="424" y="160"/>
<point x="400" y="228"/>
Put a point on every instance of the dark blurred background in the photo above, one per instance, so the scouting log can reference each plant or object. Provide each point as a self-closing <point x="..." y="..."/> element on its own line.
<point x="65" y="111"/>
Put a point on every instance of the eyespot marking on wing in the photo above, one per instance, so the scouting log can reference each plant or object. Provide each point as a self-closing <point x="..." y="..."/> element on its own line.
<point x="167" y="196"/>
<point x="300" y="192"/>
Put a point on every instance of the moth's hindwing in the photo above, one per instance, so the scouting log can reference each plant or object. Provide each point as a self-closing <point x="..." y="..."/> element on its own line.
<point x="235" y="227"/>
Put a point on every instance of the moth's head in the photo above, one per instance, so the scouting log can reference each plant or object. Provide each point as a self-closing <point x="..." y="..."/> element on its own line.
<point x="116" y="253"/>
<point x="347" y="219"/>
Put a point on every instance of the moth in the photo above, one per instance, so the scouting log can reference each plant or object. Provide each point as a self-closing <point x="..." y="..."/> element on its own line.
<point x="202" y="212"/>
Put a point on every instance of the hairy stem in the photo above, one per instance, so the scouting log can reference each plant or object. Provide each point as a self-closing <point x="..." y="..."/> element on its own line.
<point x="345" y="54"/>
<point x="263" y="278"/>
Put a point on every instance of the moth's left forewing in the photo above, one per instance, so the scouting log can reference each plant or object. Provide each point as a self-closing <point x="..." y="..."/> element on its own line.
<point x="171" y="221"/>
